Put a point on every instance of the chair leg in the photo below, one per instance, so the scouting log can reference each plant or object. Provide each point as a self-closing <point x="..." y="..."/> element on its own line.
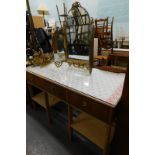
<point x="70" y="130"/>
<point x="47" y="108"/>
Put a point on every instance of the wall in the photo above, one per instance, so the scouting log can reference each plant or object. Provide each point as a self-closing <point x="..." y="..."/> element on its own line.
<point x="96" y="8"/>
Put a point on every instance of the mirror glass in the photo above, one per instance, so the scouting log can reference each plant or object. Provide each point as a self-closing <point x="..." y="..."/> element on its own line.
<point x="79" y="32"/>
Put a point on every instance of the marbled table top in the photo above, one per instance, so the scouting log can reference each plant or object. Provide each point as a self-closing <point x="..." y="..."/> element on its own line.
<point x="101" y="85"/>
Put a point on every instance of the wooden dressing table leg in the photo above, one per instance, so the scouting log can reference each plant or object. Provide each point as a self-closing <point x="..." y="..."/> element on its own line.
<point x="70" y="130"/>
<point x="106" y="151"/>
<point x="31" y="95"/>
<point x="47" y="108"/>
<point x="28" y="97"/>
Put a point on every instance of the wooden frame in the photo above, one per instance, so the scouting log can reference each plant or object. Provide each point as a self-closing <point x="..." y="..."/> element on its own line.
<point x="79" y="62"/>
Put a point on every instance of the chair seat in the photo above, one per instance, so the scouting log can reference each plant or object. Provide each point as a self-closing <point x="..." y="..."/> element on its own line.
<point x="101" y="57"/>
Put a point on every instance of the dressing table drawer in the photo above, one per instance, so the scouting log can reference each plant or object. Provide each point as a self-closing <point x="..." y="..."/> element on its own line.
<point x="92" y="107"/>
<point x="80" y="102"/>
<point x="46" y="85"/>
<point x="39" y="82"/>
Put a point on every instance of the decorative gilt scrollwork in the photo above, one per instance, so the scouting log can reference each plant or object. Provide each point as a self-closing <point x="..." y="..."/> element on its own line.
<point x="78" y="63"/>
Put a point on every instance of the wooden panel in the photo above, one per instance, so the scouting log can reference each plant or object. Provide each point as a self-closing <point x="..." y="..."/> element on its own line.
<point x="40" y="99"/>
<point x="60" y="92"/>
<point x="102" y="112"/>
<point x="93" y="129"/>
<point x="120" y="54"/>
<point x="38" y="21"/>
<point x="115" y="69"/>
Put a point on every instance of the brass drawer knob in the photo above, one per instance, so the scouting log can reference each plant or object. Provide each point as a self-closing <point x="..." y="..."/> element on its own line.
<point x="84" y="104"/>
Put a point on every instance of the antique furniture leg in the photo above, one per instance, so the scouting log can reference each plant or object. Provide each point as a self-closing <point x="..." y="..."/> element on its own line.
<point x="28" y="97"/>
<point x="70" y="130"/>
<point x="106" y="150"/>
<point x="31" y="95"/>
<point x="47" y="107"/>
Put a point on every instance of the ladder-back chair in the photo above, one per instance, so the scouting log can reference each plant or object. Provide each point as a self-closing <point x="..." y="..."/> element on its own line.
<point x="104" y="33"/>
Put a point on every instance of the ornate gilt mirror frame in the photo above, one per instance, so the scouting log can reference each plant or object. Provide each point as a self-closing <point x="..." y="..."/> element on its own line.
<point x="79" y="37"/>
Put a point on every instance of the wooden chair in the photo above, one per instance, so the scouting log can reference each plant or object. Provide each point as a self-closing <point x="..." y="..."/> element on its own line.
<point x="104" y="33"/>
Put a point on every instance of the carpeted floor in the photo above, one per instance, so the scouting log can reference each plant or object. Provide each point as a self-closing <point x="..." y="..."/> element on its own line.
<point x="42" y="139"/>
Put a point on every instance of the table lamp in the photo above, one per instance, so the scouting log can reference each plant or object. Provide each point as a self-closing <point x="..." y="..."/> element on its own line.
<point x="42" y="9"/>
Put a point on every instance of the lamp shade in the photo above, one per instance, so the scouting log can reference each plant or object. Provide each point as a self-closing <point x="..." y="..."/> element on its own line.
<point x="42" y="9"/>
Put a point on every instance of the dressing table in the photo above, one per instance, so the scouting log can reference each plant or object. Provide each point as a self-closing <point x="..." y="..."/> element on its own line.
<point x="93" y="92"/>
<point x="101" y="90"/>
<point x="96" y="94"/>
